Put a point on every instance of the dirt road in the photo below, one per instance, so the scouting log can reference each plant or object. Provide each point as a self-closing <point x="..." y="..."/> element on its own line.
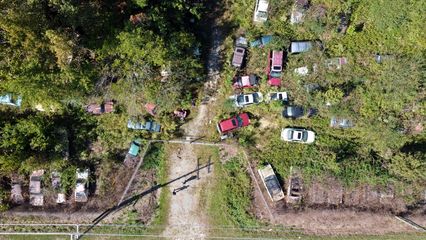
<point x="186" y="219"/>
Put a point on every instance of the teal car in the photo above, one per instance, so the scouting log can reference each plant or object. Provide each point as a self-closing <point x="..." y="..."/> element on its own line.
<point x="135" y="147"/>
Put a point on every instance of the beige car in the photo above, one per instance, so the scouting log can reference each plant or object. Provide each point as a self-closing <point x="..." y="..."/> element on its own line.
<point x="271" y="183"/>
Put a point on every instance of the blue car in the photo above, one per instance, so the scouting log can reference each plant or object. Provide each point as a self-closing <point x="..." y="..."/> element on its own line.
<point x="150" y="126"/>
<point x="264" y="40"/>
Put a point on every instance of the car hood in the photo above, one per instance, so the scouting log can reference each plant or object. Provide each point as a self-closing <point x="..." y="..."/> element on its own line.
<point x="227" y="125"/>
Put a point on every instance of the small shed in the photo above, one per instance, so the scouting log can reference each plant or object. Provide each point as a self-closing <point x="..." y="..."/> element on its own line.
<point x="36" y="195"/>
<point x="16" y="193"/>
<point x="81" y="191"/>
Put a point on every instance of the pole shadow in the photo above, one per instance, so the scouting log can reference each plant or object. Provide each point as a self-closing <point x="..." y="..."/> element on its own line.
<point x="134" y="199"/>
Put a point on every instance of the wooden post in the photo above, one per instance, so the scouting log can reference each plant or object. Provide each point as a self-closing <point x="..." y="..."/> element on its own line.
<point x="198" y="168"/>
<point x="208" y="164"/>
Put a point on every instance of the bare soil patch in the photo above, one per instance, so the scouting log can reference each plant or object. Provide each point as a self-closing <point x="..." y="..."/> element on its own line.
<point x="342" y="222"/>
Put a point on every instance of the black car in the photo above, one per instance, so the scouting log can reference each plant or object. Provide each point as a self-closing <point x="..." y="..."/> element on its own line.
<point x="294" y="111"/>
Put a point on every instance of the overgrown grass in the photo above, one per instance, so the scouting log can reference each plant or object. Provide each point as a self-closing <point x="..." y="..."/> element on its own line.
<point x="229" y="199"/>
<point x="163" y="207"/>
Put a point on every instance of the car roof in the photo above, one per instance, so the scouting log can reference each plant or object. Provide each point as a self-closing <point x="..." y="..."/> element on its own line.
<point x="301" y="46"/>
<point x="263" y="5"/>
<point x="294" y="109"/>
<point x="277" y="57"/>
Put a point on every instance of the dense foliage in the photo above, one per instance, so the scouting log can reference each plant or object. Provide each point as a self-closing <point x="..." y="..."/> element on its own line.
<point x="60" y="56"/>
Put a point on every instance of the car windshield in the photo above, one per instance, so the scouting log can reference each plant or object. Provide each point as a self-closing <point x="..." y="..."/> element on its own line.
<point x="299" y="135"/>
<point x="276" y="68"/>
<point x="240" y="98"/>
<point x="305" y="136"/>
<point x="290" y="111"/>
<point x="290" y="135"/>
<point x="234" y="123"/>
<point x="262" y="14"/>
<point x="239" y="50"/>
<point x="240" y="121"/>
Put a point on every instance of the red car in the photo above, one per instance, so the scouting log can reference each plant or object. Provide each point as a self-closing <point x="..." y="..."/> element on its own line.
<point x="233" y="123"/>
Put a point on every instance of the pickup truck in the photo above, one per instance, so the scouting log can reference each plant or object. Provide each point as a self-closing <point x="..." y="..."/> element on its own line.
<point x="275" y="67"/>
<point x="233" y="123"/>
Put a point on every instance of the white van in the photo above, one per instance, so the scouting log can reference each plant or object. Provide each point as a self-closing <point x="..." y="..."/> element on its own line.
<point x="261" y="11"/>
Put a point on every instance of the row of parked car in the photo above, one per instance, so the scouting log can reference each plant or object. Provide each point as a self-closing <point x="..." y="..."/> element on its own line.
<point x="274" y="72"/>
<point x="36" y="195"/>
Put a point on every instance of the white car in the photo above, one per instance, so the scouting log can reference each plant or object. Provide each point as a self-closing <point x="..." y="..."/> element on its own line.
<point x="297" y="135"/>
<point x="278" y="96"/>
<point x="261" y="11"/>
<point x="248" y="99"/>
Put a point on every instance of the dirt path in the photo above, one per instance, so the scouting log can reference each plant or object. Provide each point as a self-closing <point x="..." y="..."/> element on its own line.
<point x="186" y="219"/>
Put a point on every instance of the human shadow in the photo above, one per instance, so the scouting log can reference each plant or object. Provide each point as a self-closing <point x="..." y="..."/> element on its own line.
<point x="176" y="190"/>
